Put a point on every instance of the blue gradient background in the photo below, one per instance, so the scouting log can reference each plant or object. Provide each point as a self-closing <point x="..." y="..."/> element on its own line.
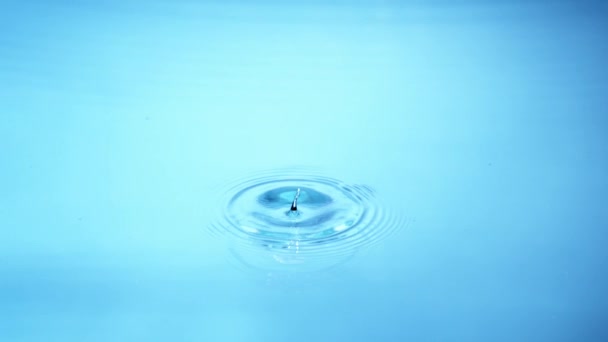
<point x="483" y="122"/>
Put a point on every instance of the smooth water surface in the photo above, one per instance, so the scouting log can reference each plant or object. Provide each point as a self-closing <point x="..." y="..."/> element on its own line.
<point x="473" y="132"/>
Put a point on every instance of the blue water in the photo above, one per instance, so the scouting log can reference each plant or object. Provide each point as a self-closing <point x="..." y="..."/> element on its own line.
<point x="480" y="126"/>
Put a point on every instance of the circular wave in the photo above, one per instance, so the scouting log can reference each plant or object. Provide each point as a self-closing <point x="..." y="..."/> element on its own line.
<point x="331" y="220"/>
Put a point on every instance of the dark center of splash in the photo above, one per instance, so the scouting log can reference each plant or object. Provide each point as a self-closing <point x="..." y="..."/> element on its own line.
<point x="283" y="197"/>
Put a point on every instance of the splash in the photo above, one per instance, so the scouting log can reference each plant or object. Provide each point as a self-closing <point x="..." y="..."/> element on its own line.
<point x="301" y="218"/>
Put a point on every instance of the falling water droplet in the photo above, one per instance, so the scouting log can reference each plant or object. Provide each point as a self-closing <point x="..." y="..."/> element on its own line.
<point x="294" y="204"/>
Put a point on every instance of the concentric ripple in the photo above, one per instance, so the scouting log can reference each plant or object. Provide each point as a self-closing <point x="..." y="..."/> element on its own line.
<point x="332" y="221"/>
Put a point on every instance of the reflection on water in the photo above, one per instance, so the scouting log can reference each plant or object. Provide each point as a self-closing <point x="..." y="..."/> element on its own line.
<point x="332" y="220"/>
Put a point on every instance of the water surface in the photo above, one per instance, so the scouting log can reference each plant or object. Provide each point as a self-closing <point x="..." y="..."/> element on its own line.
<point x="124" y="124"/>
